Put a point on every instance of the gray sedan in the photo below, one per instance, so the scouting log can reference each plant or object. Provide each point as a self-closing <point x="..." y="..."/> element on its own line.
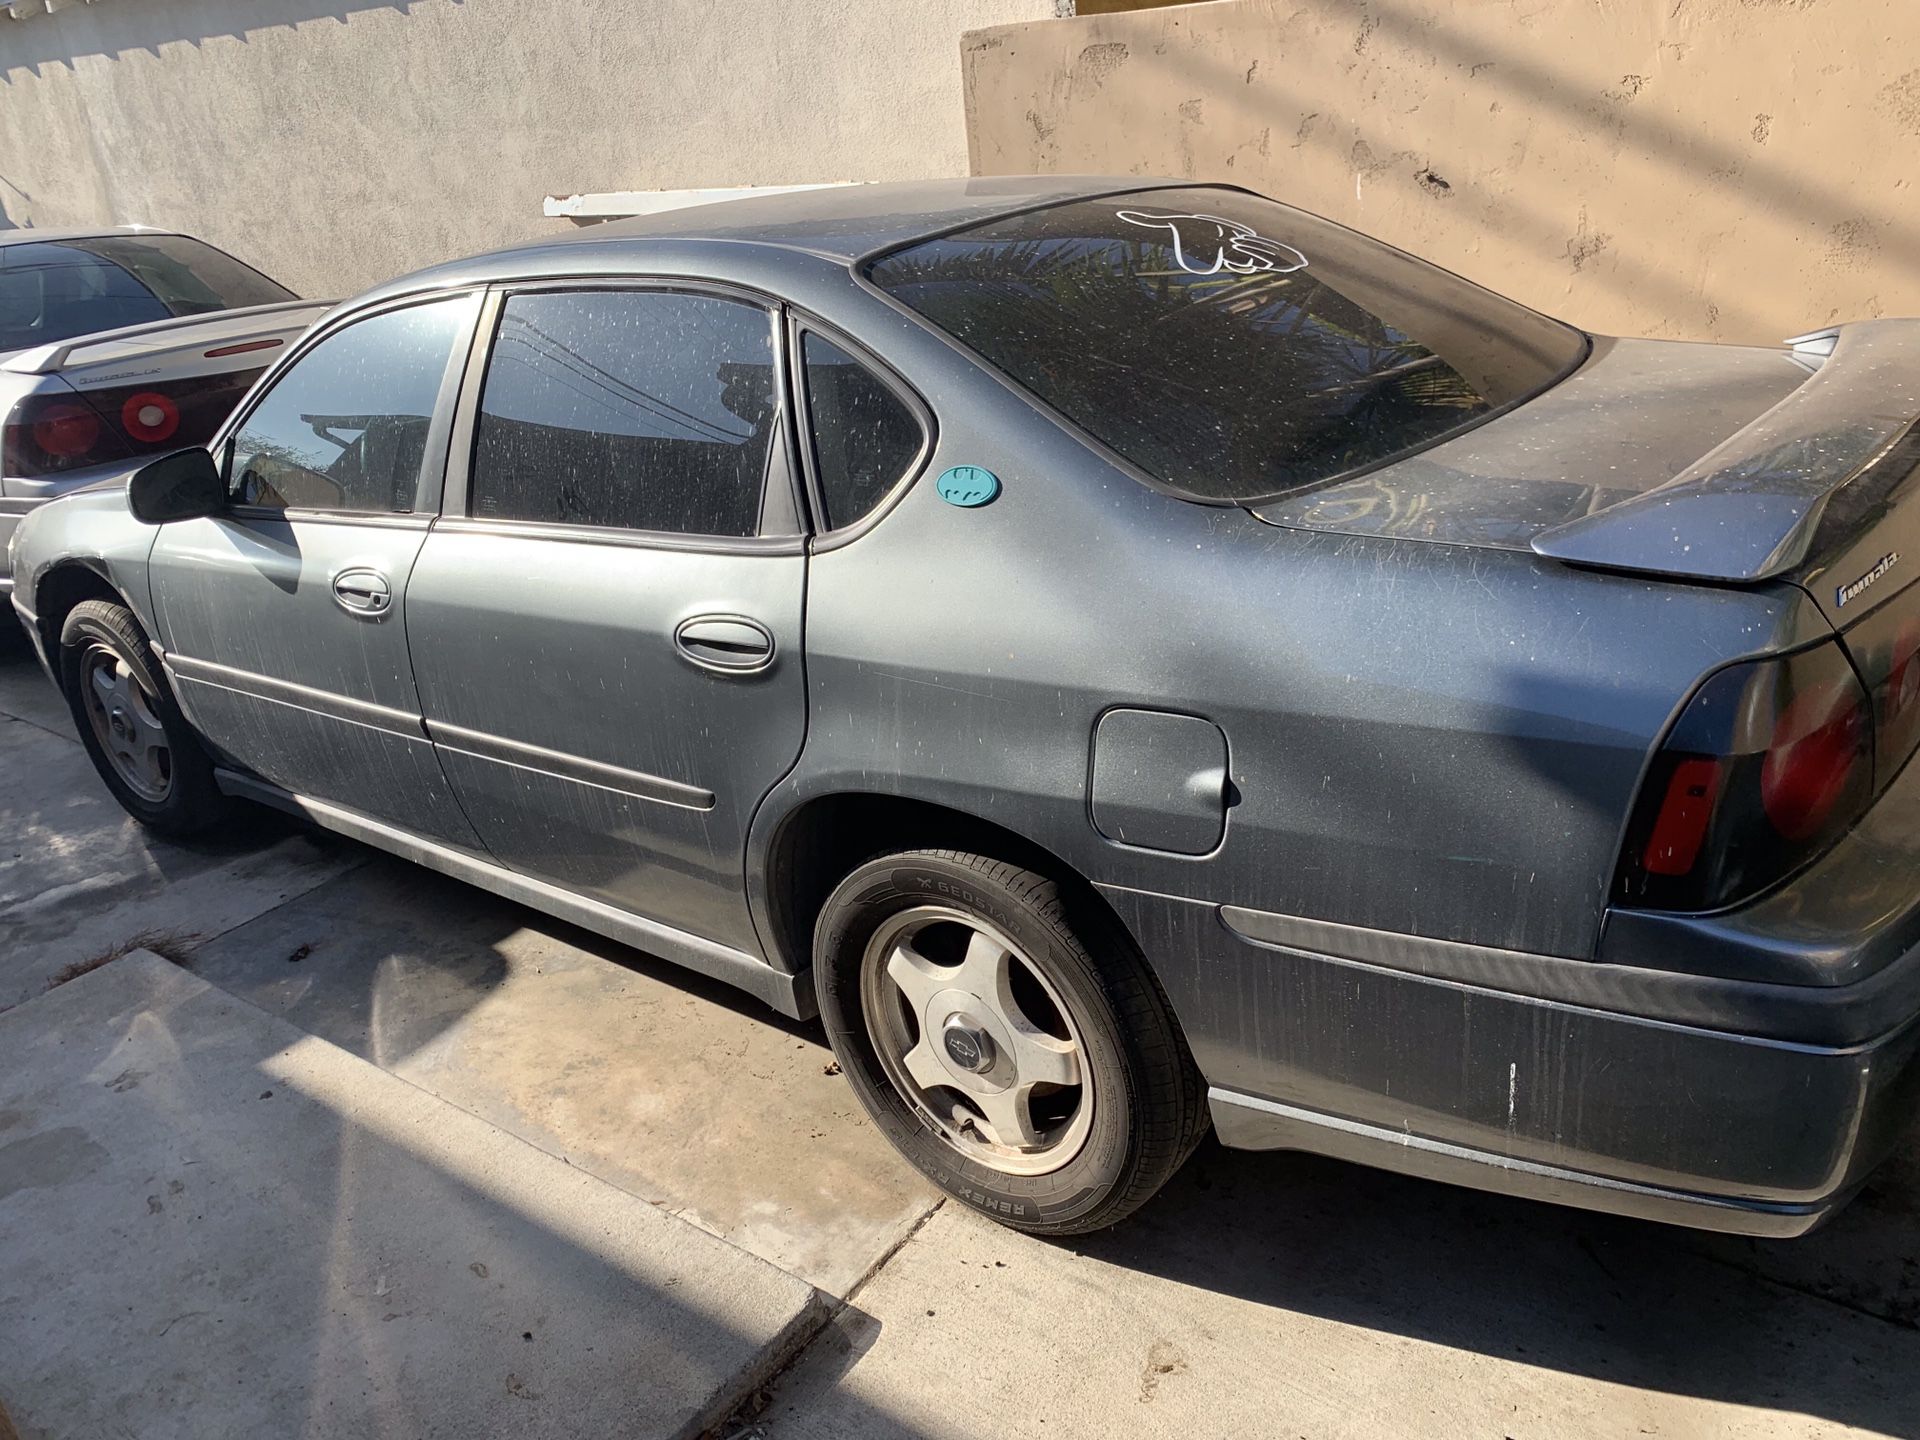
<point x="1130" y="654"/>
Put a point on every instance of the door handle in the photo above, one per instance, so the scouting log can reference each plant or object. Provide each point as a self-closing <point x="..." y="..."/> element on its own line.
<point x="362" y="592"/>
<point x="729" y="643"/>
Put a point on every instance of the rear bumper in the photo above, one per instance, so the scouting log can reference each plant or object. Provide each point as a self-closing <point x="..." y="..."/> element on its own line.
<point x="1696" y="1100"/>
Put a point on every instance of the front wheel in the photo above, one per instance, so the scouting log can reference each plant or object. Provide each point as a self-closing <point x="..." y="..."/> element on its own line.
<point x="1020" y="1054"/>
<point x="134" y="732"/>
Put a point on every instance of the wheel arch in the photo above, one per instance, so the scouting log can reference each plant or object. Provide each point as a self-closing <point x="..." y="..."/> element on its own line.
<point x="814" y="845"/>
<point x="64" y="585"/>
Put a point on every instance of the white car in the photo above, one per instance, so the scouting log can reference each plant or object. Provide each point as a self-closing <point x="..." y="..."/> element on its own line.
<point x="118" y="343"/>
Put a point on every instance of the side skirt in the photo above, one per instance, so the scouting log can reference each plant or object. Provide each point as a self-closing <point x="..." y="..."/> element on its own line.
<point x="791" y="995"/>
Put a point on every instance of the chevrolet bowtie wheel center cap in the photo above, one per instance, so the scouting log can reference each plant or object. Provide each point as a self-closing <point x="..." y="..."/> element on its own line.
<point x="968" y="1046"/>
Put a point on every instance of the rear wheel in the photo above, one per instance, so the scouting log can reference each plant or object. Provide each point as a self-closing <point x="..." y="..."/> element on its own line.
<point x="135" y="734"/>
<point x="1018" y="1052"/>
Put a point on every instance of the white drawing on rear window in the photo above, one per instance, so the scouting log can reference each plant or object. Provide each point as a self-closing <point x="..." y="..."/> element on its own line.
<point x="1207" y="244"/>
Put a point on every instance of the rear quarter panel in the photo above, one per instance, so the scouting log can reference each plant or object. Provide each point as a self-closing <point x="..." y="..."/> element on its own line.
<point x="1424" y="738"/>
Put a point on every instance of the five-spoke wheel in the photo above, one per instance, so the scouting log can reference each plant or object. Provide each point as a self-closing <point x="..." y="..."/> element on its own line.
<point x="139" y="741"/>
<point x="126" y="721"/>
<point x="1007" y="1036"/>
<point x="972" y="1033"/>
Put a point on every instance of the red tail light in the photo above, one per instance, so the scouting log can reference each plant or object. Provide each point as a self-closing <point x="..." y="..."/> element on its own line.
<point x="65" y="430"/>
<point x="1885" y="645"/>
<point x="1681" y="826"/>
<point x="1769" y="764"/>
<point x="150" y="417"/>
<point x="52" y="434"/>
<point x="1817" y="744"/>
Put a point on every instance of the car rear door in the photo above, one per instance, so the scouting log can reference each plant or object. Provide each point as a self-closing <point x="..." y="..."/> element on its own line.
<point x="606" y="622"/>
<point x="283" y="618"/>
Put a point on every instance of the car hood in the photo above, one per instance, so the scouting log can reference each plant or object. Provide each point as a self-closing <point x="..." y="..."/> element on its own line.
<point x="1637" y="414"/>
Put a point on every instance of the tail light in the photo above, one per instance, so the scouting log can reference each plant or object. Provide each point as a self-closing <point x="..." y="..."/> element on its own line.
<point x="1768" y="765"/>
<point x="55" y="433"/>
<point x="150" y="417"/>
<point x="49" y="434"/>
<point x="1885" y="644"/>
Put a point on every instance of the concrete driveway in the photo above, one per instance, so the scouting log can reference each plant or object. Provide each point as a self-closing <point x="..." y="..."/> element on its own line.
<point x="1261" y="1295"/>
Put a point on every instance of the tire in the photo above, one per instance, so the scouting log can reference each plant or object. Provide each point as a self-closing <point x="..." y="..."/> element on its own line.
<point x="1074" y="986"/>
<point x="184" y="800"/>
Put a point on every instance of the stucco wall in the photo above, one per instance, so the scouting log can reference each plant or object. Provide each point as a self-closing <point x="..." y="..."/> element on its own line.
<point x="1735" y="169"/>
<point x="338" y="142"/>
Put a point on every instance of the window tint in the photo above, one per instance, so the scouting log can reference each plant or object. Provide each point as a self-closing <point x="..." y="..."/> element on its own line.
<point x="346" y="427"/>
<point x="1234" y="349"/>
<point x="55" y="290"/>
<point x="864" y="436"/>
<point x="636" y="409"/>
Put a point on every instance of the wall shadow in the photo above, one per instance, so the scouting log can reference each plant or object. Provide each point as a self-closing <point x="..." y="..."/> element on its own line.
<point x="115" y="30"/>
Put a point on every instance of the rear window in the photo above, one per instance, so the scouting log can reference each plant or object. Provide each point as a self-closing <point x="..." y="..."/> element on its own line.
<point x="56" y="289"/>
<point x="1234" y="349"/>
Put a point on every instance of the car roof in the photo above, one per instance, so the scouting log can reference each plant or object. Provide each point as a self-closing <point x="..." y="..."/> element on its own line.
<point x="97" y="232"/>
<point x="845" y="222"/>
<point x="840" y="224"/>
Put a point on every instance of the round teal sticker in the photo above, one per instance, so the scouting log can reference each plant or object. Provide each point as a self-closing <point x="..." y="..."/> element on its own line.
<point x="967" y="485"/>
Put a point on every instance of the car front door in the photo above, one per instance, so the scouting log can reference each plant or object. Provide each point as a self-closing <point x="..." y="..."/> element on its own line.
<point x="606" y="622"/>
<point x="283" y="618"/>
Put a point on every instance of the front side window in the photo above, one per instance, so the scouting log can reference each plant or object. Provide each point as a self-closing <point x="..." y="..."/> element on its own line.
<point x="864" y="436"/>
<point x="345" y="428"/>
<point x="1234" y="349"/>
<point x="56" y="289"/>
<point x="631" y="409"/>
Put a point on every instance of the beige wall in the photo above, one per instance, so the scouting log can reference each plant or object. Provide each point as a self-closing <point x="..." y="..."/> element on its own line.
<point x="338" y="142"/>
<point x="1734" y="169"/>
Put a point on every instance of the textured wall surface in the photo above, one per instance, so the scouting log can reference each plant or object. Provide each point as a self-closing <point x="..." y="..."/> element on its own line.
<point x="338" y="142"/>
<point x="1731" y="169"/>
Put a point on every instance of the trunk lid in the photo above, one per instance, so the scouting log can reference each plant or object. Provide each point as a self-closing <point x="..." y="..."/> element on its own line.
<point x="1713" y="463"/>
<point x="1635" y="416"/>
<point x="1804" y="492"/>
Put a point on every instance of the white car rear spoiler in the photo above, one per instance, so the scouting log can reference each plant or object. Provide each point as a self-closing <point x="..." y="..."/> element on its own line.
<point x="48" y="359"/>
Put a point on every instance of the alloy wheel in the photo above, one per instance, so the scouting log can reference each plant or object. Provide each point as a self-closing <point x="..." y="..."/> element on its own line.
<point x="126" y="722"/>
<point x="971" y="1032"/>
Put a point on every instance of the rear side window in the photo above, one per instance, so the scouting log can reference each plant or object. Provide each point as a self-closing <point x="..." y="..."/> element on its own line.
<point x="345" y="426"/>
<point x="55" y="290"/>
<point x="864" y="436"/>
<point x="1234" y="349"/>
<point x="632" y="409"/>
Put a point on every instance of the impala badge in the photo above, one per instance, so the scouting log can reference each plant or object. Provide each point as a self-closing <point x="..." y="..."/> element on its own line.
<point x="1853" y="591"/>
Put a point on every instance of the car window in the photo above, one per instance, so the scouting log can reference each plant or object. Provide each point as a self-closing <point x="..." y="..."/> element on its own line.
<point x="633" y="409"/>
<point x="1234" y="349"/>
<point x="55" y="290"/>
<point x="864" y="436"/>
<point x="345" y="427"/>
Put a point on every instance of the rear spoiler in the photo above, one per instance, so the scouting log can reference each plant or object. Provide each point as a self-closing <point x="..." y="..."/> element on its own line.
<point x="48" y="359"/>
<point x="1748" y="510"/>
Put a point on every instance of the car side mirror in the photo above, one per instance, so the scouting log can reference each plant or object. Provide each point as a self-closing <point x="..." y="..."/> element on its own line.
<point x="185" y="485"/>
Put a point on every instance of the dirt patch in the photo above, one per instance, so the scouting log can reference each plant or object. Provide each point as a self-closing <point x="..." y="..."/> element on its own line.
<point x="171" y="945"/>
